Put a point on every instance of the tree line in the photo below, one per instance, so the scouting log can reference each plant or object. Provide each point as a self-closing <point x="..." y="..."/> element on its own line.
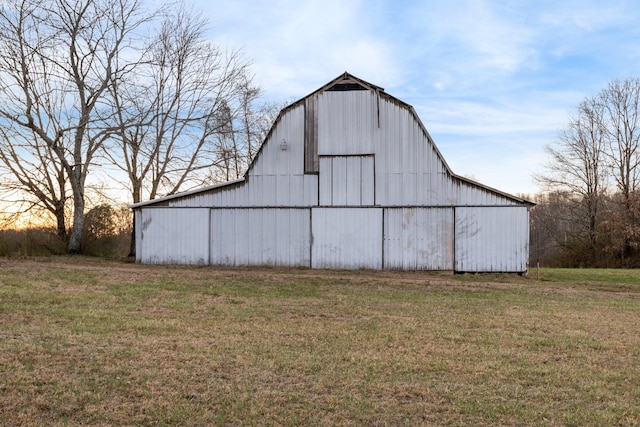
<point x="589" y="213"/>
<point x="90" y="83"/>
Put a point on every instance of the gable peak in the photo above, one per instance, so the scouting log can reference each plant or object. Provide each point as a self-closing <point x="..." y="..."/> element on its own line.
<point x="349" y="82"/>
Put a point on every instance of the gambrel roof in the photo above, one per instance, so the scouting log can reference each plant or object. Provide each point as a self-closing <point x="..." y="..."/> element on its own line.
<point x="344" y="82"/>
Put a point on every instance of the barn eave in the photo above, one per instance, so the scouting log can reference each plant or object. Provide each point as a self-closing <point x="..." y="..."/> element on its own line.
<point x="163" y="200"/>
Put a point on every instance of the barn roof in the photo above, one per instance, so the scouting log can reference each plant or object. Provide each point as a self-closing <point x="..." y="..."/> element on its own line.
<point x="343" y="82"/>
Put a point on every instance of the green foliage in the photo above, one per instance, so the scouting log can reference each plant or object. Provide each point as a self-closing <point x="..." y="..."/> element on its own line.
<point x="592" y="275"/>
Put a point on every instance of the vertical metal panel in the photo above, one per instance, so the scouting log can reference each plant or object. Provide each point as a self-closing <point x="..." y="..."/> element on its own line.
<point x="367" y="181"/>
<point x="267" y="236"/>
<point x="467" y="194"/>
<point x="409" y="170"/>
<point x="310" y="186"/>
<point x="371" y="151"/>
<point x="174" y="236"/>
<point x="347" y="181"/>
<point x="339" y="181"/>
<point x="285" y="191"/>
<point x="347" y="122"/>
<point x="273" y="160"/>
<point x="260" y="190"/>
<point x="137" y="217"/>
<point x="346" y="238"/>
<point x="491" y="239"/>
<point x="311" y="134"/>
<point x="418" y="238"/>
<point x="326" y="181"/>
<point x="353" y="181"/>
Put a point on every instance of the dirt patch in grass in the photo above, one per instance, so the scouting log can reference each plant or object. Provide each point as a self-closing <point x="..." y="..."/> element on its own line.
<point x="91" y="342"/>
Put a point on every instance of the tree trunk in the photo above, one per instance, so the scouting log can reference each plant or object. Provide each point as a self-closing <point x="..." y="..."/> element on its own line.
<point x="132" y="246"/>
<point x="137" y="197"/>
<point x="61" y="226"/>
<point x="75" y="239"/>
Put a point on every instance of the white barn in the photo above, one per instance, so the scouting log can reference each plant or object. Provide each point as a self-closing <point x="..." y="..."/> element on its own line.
<point x="348" y="177"/>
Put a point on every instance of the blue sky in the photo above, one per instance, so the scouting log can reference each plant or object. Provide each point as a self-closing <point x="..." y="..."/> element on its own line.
<point x="493" y="81"/>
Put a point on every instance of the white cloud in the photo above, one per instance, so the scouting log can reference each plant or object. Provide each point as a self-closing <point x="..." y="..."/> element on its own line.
<point x="298" y="46"/>
<point x="500" y="77"/>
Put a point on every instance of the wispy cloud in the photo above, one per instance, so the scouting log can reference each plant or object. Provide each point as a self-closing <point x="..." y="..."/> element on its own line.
<point x="298" y="44"/>
<point x="487" y="77"/>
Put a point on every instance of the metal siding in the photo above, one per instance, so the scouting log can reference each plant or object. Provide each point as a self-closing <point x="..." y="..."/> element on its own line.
<point x="137" y="217"/>
<point x="260" y="190"/>
<point x="339" y="181"/>
<point x="410" y="172"/>
<point x="310" y="186"/>
<point x="310" y="134"/>
<point x="174" y="236"/>
<point x="464" y="193"/>
<point x="284" y="194"/>
<point x="277" y="176"/>
<point x="408" y="168"/>
<point x="418" y="238"/>
<point x="347" y="122"/>
<point x="267" y="236"/>
<point x="347" y="238"/>
<point x="394" y="189"/>
<point x="347" y="181"/>
<point x="275" y="161"/>
<point x="223" y="236"/>
<point x="491" y="239"/>
<point x="326" y="181"/>
<point x="372" y="151"/>
<point x="409" y="187"/>
<point x="367" y="181"/>
<point x="353" y="187"/>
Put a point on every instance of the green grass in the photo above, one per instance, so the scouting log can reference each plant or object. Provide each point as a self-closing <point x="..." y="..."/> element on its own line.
<point x="89" y="342"/>
<point x="590" y="275"/>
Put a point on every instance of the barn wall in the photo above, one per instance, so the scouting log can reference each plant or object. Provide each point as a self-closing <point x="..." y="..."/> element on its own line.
<point x="277" y="178"/>
<point x="418" y="238"/>
<point x="491" y="239"/>
<point x="347" y="181"/>
<point x="260" y="237"/>
<point x="173" y="236"/>
<point x="409" y="170"/>
<point x="346" y="238"/>
<point x="377" y="194"/>
<point x="347" y="123"/>
<point x="272" y="159"/>
<point x="261" y="191"/>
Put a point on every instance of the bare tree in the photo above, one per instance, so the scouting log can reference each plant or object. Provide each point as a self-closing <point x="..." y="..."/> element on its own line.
<point x="169" y="115"/>
<point x="57" y="59"/>
<point x="620" y="103"/>
<point x="33" y="176"/>
<point x="243" y="130"/>
<point x="577" y="174"/>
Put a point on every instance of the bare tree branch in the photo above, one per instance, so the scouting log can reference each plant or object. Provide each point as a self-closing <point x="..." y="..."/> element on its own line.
<point x="57" y="59"/>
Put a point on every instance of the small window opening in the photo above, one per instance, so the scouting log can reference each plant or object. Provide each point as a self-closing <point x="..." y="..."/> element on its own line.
<point x="341" y="87"/>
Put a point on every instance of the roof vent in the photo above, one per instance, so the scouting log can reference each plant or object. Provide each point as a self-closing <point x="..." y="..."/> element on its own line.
<point x="341" y="87"/>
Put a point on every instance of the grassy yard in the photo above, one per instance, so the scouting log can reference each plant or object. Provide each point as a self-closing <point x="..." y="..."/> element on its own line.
<point x="91" y="342"/>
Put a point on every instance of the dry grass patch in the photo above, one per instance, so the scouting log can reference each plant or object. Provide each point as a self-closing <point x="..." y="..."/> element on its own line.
<point x="89" y="342"/>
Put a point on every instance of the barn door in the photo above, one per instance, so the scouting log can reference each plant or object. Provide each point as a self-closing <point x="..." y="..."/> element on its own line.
<point x="418" y="238"/>
<point x="491" y="239"/>
<point x="347" y="180"/>
<point x="346" y="238"/>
